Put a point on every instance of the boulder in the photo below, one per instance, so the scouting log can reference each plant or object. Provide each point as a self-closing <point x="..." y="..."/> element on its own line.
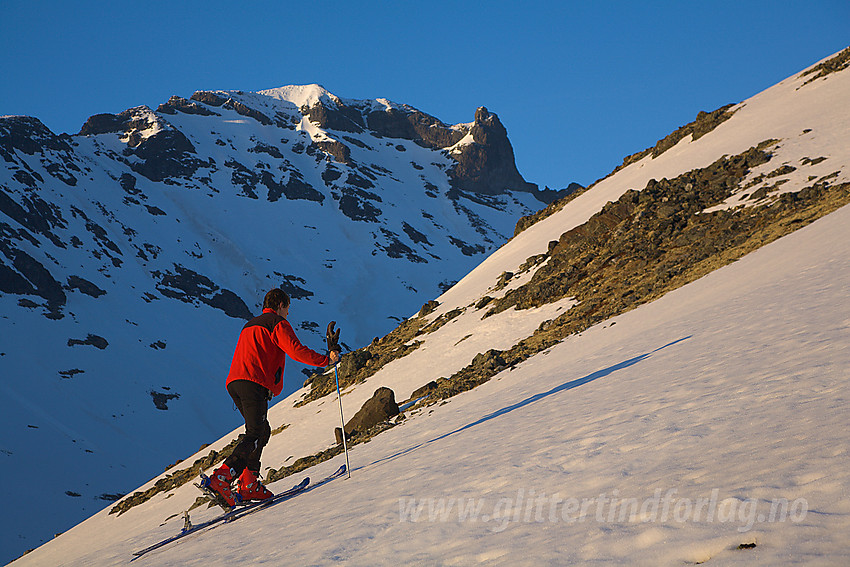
<point x="379" y="408"/>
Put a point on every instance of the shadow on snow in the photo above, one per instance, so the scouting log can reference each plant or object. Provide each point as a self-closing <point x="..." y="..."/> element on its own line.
<point x="537" y="397"/>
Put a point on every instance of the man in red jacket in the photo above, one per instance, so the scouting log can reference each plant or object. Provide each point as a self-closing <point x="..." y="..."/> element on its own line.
<point x="256" y="375"/>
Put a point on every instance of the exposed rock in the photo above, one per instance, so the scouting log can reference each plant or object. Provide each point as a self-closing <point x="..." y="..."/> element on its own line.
<point x="209" y="98"/>
<point x="423" y="391"/>
<point x="267" y="149"/>
<point x="190" y="287"/>
<point x="831" y="65"/>
<point x="414" y="235"/>
<point x="247" y="111"/>
<point x="68" y="374"/>
<point x="428" y="308"/>
<point x="161" y="399"/>
<point x="177" y="103"/>
<point x="397" y="249"/>
<point x="128" y="184"/>
<point x="90" y="340"/>
<point x="166" y="154"/>
<point x="704" y="123"/>
<point x="294" y="188"/>
<point x="28" y="276"/>
<point x="487" y="166"/>
<point x="380" y="407"/>
<point x="362" y="363"/>
<point x="337" y="149"/>
<point x="163" y="150"/>
<point x="338" y="117"/>
<point x="34" y="214"/>
<point x="29" y="136"/>
<point x="412" y="124"/>
<point x="466" y="248"/>
<point x="289" y="284"/>
<point x="244" y="177"/>
<point x="355" y="203"/>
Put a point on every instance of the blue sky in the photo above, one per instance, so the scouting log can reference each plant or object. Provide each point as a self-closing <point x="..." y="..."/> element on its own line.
<point x="579" y="85"/>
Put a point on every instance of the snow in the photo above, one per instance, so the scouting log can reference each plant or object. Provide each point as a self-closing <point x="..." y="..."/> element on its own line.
<point x="782" y="112"/>
<point x="684" y="431"/>
<point x="731" y="389"/>
<point x="101" y="423"/>
<point x="467" y="140"/>
<point x="300" y="95"/>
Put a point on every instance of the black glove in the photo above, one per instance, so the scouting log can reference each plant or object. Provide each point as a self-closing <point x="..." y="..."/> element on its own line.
<point x="333" y="338"/>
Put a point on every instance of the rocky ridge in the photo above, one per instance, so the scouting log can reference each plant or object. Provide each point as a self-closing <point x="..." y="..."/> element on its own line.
<point x="150" y="232"/>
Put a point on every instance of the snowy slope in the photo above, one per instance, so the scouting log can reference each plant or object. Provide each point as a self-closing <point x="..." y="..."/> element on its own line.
<point x="131" y="253"/>
<point x="729" y="390"/>
<point x="735" y="384"/>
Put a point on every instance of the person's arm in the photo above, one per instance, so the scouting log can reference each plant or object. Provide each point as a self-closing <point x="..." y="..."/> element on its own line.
<point x="284" y="337"/>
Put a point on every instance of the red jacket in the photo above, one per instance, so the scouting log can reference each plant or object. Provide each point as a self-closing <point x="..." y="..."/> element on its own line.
<point x="261" y="351"/>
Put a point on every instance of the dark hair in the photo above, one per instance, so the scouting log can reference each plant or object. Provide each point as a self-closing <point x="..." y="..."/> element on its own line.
<point x="275" y="299"/>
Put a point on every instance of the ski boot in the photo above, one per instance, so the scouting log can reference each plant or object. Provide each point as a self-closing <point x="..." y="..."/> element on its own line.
<point x="249" y="487"/>
<point x="219" y="484"/>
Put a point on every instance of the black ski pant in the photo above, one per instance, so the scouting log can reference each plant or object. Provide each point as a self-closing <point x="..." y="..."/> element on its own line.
<point x="252" y="400"/>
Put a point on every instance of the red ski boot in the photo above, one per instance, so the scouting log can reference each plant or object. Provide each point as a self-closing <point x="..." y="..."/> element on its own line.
<point x="220" y="482"/>
<point x="250" y="487"/>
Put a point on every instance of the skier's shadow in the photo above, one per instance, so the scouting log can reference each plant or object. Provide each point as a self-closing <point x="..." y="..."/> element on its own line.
<point x="536" y="398"/>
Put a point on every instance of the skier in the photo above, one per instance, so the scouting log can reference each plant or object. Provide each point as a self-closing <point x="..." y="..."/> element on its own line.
<point x="256" y="375"/>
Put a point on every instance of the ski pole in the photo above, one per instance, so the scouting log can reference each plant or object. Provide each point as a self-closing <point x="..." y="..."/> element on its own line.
<point x="333" y="345"/>
<point x="342" y="419"/>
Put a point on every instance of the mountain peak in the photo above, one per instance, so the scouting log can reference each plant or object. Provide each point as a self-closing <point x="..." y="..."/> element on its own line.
<point x="302" y="95"/>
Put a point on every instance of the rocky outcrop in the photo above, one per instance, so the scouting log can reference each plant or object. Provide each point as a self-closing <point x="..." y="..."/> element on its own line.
<point x="487" y="165"/>
<point x="336" y="117"/>
<point x="177" y="104"/>
<point x="828" y="67"/>
<point x="189" y="286"/>
<point x="91" y="340"/>
<point x="377" y="409"/>
<point x="411" y="124"/>
<point x="29" y="136"/>
<point x="163" y="151"/>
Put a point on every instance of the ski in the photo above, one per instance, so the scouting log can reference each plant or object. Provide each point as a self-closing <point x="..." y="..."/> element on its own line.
<point x="229" y="514"/>
<point x="263" y="504"/>
<point x="239" y="511"/>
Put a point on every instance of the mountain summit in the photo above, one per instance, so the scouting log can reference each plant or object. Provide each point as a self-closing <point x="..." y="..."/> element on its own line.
<point x="652" y="371"/>
<point x="132" y="251"/>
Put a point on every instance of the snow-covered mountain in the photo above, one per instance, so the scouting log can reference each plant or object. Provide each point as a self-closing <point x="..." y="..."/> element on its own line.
<point x="653" y="371"/>
<point x="132" y="252"/>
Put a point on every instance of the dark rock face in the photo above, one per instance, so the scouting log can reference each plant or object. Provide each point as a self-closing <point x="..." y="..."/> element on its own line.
<point x="191" y="287"/>
<point x="488" y="166"/>
<point x="294" y="188"/>
<point x="34" y="214"/>
<point x="247" y="111"/>
<point x="339" y="117"/>
<point x="832" y="65"/>
<point x="423" y="390"/>
<point x="340" y="151"/>
<point x="209" y="98"/>
<point x="27" y="135"/>
<point x="26" y="275"/>
<point x="411" y="124"/>
<point x="179" y="104"/>
<point x="166" y="154"/>
<point x="379" y="408"/>
<point x="91" y="340"/>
